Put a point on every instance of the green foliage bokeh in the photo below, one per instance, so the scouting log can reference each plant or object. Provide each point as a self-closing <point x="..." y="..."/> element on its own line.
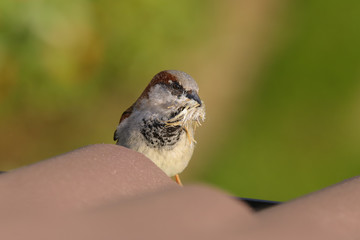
<point x="69" y="69"/>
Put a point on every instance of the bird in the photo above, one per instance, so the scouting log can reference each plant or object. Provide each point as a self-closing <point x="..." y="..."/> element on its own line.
<point x="161" y="123"/>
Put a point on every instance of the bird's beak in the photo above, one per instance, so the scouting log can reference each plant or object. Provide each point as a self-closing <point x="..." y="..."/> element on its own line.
<point x="194" y="96"/>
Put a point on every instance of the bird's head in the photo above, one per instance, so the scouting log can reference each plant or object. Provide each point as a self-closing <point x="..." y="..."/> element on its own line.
<point x="175" y="96"/>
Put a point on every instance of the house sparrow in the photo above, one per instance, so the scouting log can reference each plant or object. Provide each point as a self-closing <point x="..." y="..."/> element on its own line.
<point x="161" y="123"/>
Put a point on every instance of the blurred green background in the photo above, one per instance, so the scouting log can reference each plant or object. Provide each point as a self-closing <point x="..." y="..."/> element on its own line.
<point x="280" y="80"/>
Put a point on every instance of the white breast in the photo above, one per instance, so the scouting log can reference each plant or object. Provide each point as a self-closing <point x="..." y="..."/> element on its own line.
<point x="171" y="161"/>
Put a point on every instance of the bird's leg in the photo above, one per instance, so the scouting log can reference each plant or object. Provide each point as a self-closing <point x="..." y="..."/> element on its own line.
<point x="177" y="180"/>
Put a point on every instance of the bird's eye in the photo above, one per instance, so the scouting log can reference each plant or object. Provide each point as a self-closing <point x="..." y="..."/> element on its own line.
<point x="176" y="86"/>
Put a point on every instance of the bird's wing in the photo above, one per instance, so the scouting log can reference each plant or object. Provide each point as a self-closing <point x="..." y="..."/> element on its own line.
<point x="125" y="115"/>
